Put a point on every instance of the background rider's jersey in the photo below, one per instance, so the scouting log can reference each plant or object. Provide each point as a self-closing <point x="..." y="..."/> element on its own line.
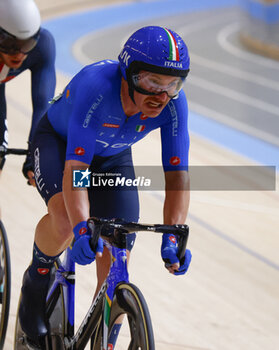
<point x="90" y="118"/>
<point x="40" y="61"/>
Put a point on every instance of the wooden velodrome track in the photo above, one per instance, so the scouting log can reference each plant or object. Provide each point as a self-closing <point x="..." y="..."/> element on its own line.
<point x="229" y="298"/>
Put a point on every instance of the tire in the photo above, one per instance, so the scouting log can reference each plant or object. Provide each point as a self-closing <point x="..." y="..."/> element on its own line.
<point x="128" y="300"/>
<point x="5" y="284"/>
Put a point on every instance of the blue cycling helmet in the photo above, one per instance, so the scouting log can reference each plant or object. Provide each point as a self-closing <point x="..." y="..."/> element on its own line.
<point x="155" y="49"/>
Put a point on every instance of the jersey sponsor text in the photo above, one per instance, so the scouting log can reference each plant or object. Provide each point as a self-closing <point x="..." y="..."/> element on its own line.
<point x="91" y="111"/>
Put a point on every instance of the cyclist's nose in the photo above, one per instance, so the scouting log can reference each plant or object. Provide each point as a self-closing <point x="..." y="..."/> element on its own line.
<point x="18" y="56"/>
<point x="162" y="97"/>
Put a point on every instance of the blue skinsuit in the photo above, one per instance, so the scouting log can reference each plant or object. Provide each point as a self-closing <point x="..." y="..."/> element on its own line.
<point x="87" y="123"/>
<point x="90" y="117"/>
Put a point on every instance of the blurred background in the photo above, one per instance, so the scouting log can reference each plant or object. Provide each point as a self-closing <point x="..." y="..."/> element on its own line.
<point x="229" y="298"/>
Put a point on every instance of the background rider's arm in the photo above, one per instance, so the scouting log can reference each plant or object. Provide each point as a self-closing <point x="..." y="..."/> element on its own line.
<point x="43" y="81"/>
<point x="43" y="78"/>
<point x="177" y="197"/>
<point x="76" y="201"/>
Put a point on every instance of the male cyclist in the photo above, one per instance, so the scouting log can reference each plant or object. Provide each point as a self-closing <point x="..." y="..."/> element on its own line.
<point x="24" y="45"/>
<point x="107" y="107"/>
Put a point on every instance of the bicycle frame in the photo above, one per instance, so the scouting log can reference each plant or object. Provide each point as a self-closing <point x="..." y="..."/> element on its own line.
<point x="101" y="305"/>
<point x="118" y="273"/>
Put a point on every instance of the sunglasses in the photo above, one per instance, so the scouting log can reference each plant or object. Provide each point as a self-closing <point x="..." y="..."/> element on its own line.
<point x="10" y="45"/>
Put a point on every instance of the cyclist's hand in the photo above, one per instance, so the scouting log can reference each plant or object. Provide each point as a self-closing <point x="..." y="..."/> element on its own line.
<point x="31" y="178"/>
<point x="81" y="252"/>
<point x="169" y="251"/>
<point x="27" y="170"/>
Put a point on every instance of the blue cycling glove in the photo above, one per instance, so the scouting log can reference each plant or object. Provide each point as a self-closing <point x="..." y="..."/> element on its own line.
<point x="169" y="250"/>
<point x="81" y="252"/>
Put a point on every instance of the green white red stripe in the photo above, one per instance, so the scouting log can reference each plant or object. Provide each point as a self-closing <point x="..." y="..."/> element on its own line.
<point x="174" y="53"/>
<point x="107" y="310"/>
<point x="140" y="128"/>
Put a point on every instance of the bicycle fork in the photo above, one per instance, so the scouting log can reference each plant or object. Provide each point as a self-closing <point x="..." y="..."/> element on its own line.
<point x="118" y="273"/>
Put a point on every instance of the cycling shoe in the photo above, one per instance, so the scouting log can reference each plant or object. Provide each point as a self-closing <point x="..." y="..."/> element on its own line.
<point x="32" y="309"/>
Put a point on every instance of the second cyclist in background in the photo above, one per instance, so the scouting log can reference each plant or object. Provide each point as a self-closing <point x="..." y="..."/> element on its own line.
<point x="25" y="45"/>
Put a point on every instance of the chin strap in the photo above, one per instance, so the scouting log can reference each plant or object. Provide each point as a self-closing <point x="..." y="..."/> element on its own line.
<point x="131" y="91"/>
<point x="130" y="84"/>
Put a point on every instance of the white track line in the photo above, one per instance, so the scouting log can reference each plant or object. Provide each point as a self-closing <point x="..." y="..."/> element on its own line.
<point x="225" y="119"/>
<point x="234" y="95"/>
<point x="234" y="72"/>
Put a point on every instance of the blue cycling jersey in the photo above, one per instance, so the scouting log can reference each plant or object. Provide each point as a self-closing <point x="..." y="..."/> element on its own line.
<point x="90" y="118"/>
<point x="40" y="61"/>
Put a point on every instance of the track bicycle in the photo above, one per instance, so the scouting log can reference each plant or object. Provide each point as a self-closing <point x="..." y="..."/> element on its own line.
<point x="116" y="297"/>
<point x="5" y="264"/>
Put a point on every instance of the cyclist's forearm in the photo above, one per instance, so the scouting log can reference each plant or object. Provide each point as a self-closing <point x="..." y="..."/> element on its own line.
<point x="177" y="197"/>
<point x="176" y="207"/>
<point x="76" y="201"/>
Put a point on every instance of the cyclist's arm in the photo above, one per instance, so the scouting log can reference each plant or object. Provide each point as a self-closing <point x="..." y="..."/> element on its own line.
<point x="83" y="139"/>
<point x="176" y="203"/>
<point x="43" y="82"/>
<point x="177" y="197"/>
<point x="77" y="206"/>
<point x="175" y="148"/>
<point x="76" y="201"/>
<point x="43" y="78"/>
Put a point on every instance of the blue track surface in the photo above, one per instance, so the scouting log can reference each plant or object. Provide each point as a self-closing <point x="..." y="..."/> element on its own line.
<point x="265" y="12"/>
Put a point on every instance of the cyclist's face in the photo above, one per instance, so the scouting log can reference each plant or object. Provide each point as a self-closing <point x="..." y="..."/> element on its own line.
<point x="12" y="61"/>
<point x="152" y="105"/>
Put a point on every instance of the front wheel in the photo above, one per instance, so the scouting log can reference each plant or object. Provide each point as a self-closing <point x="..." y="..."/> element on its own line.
<point x="128" y="300"/>
<point x="5" y="284"/>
